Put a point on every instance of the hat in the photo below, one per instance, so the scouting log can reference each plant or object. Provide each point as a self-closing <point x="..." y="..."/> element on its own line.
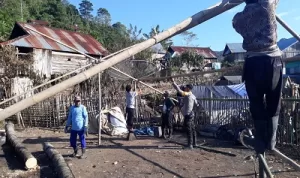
<point x="77" y="98"/>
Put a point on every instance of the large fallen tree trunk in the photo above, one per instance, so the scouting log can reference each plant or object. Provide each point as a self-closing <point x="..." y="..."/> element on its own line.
<point x="11" y="138"/>
<point x="60" y="166"/>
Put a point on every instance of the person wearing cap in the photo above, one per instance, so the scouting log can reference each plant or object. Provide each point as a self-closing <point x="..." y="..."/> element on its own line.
<point x="189" y="101"/>
<point x="130" y="106"/>
<point x="78" y="121"/>
<point x="167" y="120"/>
<point x="263" y="68"/>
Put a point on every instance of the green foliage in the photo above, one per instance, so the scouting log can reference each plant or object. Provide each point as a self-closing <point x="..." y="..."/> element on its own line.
<point x="86" y="9"/>
<point x="190" y="58"/>
<point x="103" y="16"/>
<point x="189" y="37"/>
<point x="154" y="31"/>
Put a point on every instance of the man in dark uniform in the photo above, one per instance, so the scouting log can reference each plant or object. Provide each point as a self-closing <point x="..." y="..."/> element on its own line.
<point x="167" y="120"/>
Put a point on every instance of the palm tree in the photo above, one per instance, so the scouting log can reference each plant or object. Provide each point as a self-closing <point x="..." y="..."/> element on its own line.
<point x="154" y="31"/>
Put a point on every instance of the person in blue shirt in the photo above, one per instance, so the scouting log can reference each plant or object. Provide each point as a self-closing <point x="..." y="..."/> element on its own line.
<point x="78" y="122"/>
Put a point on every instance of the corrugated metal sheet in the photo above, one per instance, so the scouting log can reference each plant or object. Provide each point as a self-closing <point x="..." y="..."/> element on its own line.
<point x="206" y="52"/>
<point x="82" y="42"/>
<point x="236" y="47"/>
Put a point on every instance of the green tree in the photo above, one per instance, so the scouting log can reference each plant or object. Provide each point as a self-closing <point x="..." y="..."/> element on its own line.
<point x="189" y="37"/>
<point x="190" y="58"/>
<point x="154" y="31"/>
<point x="103" y="16"/>
<point x="134" y="32"/>
<point x="86" y="9"/>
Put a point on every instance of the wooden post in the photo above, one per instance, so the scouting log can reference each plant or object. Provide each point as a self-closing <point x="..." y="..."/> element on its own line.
<point x="100" y="107"/>
<point x="210" y="106"/>
<point x="136" y="104"/>
<point x="57" y="100"/>
<point x="261" y="169"/>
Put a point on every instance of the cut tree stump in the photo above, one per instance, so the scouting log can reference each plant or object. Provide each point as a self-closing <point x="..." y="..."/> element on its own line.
<point x="60" y="166"/>
<point x="11" y="138"/>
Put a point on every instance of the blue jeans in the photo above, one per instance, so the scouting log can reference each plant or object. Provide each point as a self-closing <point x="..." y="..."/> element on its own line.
<point x="73" y="138"/>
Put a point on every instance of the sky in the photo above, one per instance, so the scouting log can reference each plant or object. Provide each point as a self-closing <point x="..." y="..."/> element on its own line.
<point x="214" y="33"/>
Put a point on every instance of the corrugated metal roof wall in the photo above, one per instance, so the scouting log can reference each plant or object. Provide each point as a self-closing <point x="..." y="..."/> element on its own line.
<point x="82" y="42"/>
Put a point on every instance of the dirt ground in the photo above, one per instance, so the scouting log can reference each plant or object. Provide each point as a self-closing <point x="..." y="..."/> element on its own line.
<point x="146" y="157"/>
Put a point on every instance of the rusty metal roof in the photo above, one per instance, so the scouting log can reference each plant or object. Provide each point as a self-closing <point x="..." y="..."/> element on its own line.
<point x="82" y="42"/>
<point x="205" y="52"/>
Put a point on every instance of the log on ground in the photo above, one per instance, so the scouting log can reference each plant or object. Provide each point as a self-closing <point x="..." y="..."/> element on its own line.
<point x="60" y="166"/>
<point x="30" y="161"/>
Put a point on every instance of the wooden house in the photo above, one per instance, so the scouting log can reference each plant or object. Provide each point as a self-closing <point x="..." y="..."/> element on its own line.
<point x="206" y="52"/>
<point x="50" y="57"/>
<point x="234" y="52"/>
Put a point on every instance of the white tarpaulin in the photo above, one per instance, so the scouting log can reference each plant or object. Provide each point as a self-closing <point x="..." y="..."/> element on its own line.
<point x="113" y="122"/>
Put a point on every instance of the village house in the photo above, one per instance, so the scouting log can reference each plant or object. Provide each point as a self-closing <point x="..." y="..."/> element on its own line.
<point x="50" y="57"/>
<point x="234" y="52"/>
<point x="208" y="54"/>
<point x="292" y="66"/>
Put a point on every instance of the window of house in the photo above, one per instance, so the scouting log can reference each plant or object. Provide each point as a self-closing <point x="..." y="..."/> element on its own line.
<point x="23" y="50"/>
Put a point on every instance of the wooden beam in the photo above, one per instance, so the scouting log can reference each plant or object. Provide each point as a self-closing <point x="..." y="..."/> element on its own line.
<point x="60" y="166"/>
<point x="191" y="74"/>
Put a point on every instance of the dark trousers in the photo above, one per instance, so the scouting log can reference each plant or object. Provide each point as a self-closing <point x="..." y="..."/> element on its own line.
<point x="167" y="123"/>
<point x="263" y="80"/>
<point x="130" y="116"/>
<point x="189" y="125"/>
<point x="73" y="139"/>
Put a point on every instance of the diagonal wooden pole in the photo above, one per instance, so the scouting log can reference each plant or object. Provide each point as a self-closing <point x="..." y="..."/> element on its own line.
<point x="288" y="28"/>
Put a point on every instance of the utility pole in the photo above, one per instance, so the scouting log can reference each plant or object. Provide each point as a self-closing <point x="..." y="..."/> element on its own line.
<point x="22" y="10"/>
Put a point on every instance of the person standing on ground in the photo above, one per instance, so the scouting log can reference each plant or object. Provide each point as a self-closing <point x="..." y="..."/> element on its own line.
<point x="167" y="120"/>
<point x="130" y="106"/>
<point x="78" y="121"/>
<point x="262" y="68"/>
<point x="189" y="101"/>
